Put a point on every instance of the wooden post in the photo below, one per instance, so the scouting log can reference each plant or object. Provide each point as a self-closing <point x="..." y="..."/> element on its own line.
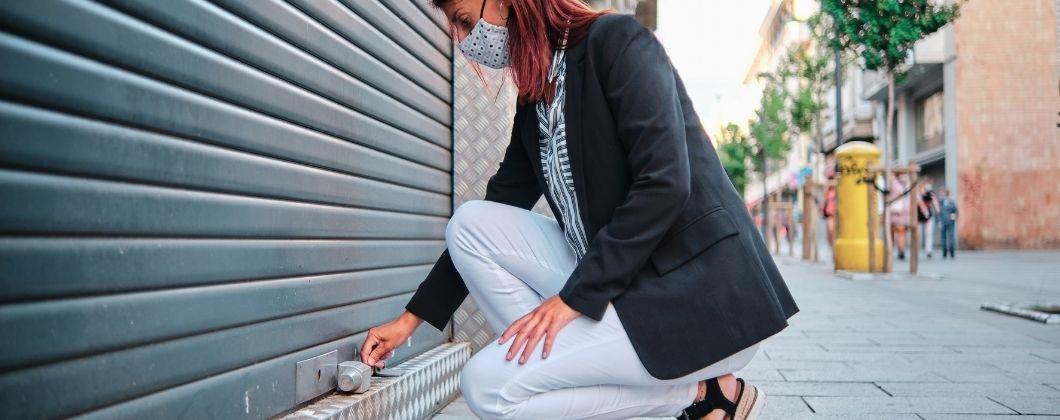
<point x="821" y="191"/>
<point x="813" y="242"/>
<point x="807" y="219"/>
<point x="791" y="231"/>
<point x="888" y="240"/>
<point x="811" y="218"/>
<point x="836" y="221"/>
<point x="774" y="231"/>
<point x="914" y="222"/>
<point x="777" y="216"/>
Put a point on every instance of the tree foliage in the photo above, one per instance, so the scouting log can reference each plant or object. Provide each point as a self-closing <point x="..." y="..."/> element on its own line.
<point x="882" y="32"/>
<point x="769" y="135"/>
<point x="811" y="72"/>
<point x="734" y="150"/>
<point x="769" y="128"/>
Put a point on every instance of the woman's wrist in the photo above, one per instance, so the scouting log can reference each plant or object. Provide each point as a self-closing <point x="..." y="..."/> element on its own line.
<point x="409" y="319"/>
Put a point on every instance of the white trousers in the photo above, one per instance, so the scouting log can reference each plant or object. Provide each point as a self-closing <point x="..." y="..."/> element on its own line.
<point x="511" y="260"/>
<point x="928" y="230"/>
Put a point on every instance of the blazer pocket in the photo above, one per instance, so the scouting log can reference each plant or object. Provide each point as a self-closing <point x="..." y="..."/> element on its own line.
<point x="693" y="238"/>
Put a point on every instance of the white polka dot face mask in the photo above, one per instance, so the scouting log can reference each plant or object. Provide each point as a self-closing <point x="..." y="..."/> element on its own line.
<point x="486" y="44"/>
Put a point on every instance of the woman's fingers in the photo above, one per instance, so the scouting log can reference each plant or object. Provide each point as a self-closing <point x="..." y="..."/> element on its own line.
<point x="381" y="363"/>
<point x="366" y="347"/>
<point x="550" y="337"/>
<point x="514" y="328"/>
<point x="531" y="344"/>
<point x="521" y="337"/>
<point x="379" y="353"/>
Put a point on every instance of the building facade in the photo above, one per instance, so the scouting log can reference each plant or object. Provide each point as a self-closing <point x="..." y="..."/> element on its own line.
<point x="978" y="111"/>
<point x="782" y="30"/>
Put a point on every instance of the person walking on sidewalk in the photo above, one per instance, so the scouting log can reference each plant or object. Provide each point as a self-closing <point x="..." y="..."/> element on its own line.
<point x="899" y="212"/>
<point x="651" y="286"/>
<point x="828" y="204"/>
<point x="947" y="222"/>
<point x="927" y="208"/>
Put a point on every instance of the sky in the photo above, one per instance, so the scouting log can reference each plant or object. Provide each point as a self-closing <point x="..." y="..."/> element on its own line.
<point x="712" y="44"/>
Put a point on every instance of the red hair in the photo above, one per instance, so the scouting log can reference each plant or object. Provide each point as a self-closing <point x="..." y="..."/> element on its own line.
<point x="535" y="29"/>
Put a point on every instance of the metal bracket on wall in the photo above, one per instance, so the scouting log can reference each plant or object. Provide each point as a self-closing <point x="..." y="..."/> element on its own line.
<point x="315" y="376"/>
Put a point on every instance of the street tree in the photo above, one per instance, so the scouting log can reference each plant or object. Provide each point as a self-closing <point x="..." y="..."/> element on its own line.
<point x="734" y="150"/>
<point x="770" y="133"/>
<point x="882" y="33"/>
<point x="811" y="70"/>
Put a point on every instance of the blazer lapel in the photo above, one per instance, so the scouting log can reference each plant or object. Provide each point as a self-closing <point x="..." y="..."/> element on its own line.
<point x="526" y="122"/>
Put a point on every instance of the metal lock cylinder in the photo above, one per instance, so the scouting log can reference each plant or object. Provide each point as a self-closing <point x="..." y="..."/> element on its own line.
<point x="354" y="377"/>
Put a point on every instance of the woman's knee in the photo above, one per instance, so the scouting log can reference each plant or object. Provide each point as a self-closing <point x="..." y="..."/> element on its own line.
<point x="480" y="386"/>
<point x="463" y="218"/>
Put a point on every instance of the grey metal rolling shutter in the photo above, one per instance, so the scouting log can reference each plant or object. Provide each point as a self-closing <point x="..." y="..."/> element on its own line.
<point x="195" y="195"/>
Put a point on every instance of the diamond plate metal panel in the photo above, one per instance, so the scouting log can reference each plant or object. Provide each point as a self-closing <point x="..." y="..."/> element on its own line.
<point x="484" y="105"/>
<point x="429" y="381"/>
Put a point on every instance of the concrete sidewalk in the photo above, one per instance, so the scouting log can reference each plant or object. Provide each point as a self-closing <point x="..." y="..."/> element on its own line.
<point x="910" y="348"/>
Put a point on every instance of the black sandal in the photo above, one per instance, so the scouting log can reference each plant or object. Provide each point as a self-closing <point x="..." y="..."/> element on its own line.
<point x="747" y="405"/>
<point x="713" y="400"/>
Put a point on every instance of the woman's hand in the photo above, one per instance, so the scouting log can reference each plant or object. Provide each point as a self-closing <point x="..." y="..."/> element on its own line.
<point x="546" y="320"/>
<point x="383" y="339"/>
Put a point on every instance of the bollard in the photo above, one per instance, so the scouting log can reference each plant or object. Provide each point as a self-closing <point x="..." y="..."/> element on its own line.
<point x="852" y="230"/>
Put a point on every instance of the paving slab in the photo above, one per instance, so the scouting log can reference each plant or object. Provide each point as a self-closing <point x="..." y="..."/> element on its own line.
<point x="861" y="375"/>
<point x="781" y="407"/>
<point x="1031" y="367"/>
<point x="822" y="389"/>
<point x="815" y="416"/>
<point x="1052" y="355"/>
<point x="820" y="354"/>
<point x="914" y="389"/>
<point x="983" y="376"/>
<point x="877" y="348"/>
<point x="457" y="409"/>
<point x="981" y="417"/>
<point x="763" y="363"/>
<point x="948" y="405"/>
<point x="1031" y="405"/>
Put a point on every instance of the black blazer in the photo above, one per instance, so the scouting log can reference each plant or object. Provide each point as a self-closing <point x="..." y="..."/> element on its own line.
<point x="672" y="245"/>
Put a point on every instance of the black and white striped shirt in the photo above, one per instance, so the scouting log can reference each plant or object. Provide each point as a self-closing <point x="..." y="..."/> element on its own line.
<point x="555" y="163"/>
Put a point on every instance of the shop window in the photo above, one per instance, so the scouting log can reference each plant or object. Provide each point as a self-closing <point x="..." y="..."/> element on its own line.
<point x="929" y="123"/>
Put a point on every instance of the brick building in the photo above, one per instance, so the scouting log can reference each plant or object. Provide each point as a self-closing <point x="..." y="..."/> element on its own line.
<point x="979" y="112"/>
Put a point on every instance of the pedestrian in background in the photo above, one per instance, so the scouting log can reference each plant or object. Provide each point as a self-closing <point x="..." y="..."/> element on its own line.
<point x="948" y="222"/>
<point x="899" y="209"/>
<point x="828" y="205"/>
<point x="927" y="208"/>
